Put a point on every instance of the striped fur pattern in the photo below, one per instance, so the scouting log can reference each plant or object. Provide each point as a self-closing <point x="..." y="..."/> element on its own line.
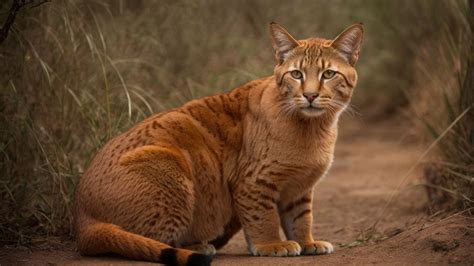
<point x="181" y="183"/>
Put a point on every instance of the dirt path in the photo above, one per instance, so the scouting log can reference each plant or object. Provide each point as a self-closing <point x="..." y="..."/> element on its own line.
<point x="370" y="163"/>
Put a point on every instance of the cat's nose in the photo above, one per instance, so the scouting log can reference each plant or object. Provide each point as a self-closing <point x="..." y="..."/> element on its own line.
<point x="310" y="96"/>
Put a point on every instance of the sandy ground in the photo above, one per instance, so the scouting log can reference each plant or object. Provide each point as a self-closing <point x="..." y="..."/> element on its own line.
<point x="370" y="165"/>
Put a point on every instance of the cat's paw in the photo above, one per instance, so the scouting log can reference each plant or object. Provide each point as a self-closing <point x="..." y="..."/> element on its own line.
<point x="317" y="248"/>
<point x="206" y="249"/>
<point x="277" y="249"/>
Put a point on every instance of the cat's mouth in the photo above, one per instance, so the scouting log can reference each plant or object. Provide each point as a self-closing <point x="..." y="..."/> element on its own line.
<point x="312" y="110"/>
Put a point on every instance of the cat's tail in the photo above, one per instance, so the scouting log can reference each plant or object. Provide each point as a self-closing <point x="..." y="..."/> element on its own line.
<point x="101" y="238"/>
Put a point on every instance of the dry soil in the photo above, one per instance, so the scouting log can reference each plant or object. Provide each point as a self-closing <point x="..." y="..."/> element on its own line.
<point x="370" y="168"/>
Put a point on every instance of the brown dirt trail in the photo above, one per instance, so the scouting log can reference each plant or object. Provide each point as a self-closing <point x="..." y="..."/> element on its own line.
<point x="370" y="163"/>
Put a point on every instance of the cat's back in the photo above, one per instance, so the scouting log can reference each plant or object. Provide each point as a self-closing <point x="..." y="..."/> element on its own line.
<point x="210" y="123"/>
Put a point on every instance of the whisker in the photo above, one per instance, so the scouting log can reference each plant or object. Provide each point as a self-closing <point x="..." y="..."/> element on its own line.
<point x="350" y="110"/>
<point x="286" y="109"/>
<point x="347" y="107"/>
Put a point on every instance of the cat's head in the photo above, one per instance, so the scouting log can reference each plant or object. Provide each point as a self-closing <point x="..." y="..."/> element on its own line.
<point x="316" y="76"/>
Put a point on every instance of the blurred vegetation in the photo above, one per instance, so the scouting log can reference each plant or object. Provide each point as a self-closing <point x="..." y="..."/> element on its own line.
<point x="442" y="98"/>
<point x="75" y="73"/>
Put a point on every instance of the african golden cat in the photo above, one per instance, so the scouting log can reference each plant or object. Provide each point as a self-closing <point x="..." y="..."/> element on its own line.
<point x="181" y="183"/>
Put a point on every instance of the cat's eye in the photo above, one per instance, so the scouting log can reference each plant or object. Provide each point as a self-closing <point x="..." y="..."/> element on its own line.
<point x="296" y="74"/>
<point x="328" y="74"/>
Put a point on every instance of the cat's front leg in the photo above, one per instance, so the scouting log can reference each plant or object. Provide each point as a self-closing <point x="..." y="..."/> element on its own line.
<point x="297" y="221"/>
<point x="258" y="213"/>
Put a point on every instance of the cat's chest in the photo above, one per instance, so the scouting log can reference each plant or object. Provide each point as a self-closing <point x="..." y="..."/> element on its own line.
<point x="290" y="157"/>
<point x="298" y="147"/>
<point x="285" y="155"/>
<point x="296" y="169"/>
<point x="301" y="160"/>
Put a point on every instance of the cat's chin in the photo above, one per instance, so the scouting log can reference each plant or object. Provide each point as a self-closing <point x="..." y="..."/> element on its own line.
<point x="312" y="111"/>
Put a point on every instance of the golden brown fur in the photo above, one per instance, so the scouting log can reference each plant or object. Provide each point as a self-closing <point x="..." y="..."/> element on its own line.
<point x="193" y="176"/>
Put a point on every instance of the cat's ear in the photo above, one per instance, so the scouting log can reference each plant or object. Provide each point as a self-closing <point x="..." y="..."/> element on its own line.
<point x="282" y="42"/>
<point x="348" y="43"/>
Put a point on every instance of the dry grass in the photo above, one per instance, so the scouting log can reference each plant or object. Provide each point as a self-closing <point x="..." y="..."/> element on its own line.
<point x="443" y="93"/>
<point x="75" y="73"/>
